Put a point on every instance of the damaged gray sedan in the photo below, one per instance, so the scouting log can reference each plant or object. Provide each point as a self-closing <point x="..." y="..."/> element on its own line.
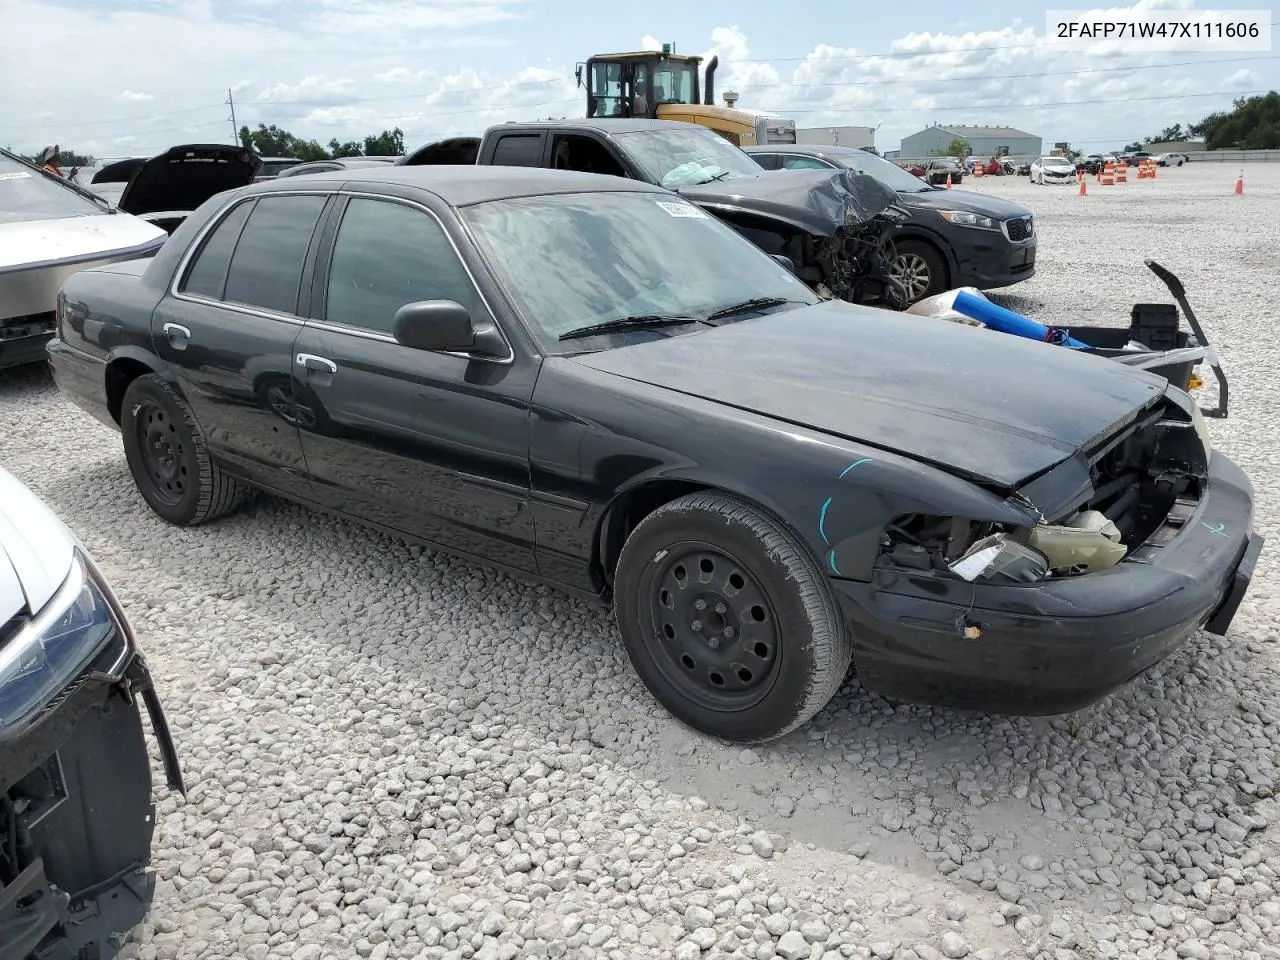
<point x="76" y="814"/>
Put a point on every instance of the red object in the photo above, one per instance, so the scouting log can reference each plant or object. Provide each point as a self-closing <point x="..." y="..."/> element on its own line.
<point x="1083" y="191"/>
<point x="1240" y="183"/>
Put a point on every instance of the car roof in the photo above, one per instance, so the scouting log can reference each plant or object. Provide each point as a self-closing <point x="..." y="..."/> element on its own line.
<point x="802" y="148"/>
<point x="609" y="124"/>
<point x="462" y="185"/>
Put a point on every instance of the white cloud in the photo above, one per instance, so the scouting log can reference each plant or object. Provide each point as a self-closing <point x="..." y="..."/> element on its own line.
<point x="310" y="89"/>
<point x="1242" y="79"/>
<point x="348" y="68"/>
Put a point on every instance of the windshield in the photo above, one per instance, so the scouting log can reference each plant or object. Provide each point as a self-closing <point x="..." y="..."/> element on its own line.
<point x="890" y="174"/>
<point x="680" y="158"/>
<point x="573" y="260"/>
<point x="28" y="194"/>
<point x="1057" y="162"/>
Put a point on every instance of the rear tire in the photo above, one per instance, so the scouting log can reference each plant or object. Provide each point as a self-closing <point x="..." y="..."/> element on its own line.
<point x="770" y="648"/>
<point x="168" y="457"/>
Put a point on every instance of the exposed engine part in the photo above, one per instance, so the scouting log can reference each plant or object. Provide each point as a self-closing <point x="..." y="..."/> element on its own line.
<point x="1086" y="543"/>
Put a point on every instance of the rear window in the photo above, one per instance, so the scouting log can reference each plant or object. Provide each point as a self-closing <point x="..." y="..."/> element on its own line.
<point x="28" y="194"/>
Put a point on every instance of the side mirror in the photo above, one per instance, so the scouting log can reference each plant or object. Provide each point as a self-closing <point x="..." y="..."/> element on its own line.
<point x="783" y="261"/>
<point x="447" y="326"/>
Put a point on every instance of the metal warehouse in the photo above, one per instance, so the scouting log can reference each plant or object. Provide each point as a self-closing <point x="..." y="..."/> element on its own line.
<point x="985" y="141"/>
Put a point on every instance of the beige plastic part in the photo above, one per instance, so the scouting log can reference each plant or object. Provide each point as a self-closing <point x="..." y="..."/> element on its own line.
<point x="1086" y="543"/>
<point x="939" y="306"/>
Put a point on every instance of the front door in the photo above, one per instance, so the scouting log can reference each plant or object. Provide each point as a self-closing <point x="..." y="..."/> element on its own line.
<point x="432" y="444"/>
<point x="228" y="335"/>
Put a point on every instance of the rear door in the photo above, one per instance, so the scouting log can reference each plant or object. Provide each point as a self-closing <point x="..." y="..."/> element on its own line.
<point x="227" y="327"/>
<point x="431" y="444"/>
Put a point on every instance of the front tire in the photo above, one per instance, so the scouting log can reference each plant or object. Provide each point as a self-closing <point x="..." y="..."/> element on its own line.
<point x="919" y="268"/>
<point x="728" y="620"/>
<point x="168" y="457"/>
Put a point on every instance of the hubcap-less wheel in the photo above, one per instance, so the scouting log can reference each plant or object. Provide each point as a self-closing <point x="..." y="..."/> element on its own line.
<point x="912" y="272"/>
<point x="715" y="628"/>
<point x="167" y="458"/>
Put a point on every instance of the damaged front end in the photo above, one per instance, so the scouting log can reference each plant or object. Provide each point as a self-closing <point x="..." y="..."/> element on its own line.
<point x="76" y="814"/>
<point x="1130" y="489"/>
<point x="834" y="226"/>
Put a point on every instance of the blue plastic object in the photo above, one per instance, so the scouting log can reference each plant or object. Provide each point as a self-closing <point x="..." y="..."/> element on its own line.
<point x="1006" y="321"/>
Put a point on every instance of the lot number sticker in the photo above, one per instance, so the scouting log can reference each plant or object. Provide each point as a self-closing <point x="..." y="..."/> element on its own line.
<point x="15" y="175"/>
<point x="682" y="210"/>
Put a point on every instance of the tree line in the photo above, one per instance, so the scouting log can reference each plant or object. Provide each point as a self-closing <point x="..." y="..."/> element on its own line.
<point x="272" y="141"/>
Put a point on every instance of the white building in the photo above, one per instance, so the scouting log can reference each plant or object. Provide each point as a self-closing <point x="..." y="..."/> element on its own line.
<point x="985" y="141"/>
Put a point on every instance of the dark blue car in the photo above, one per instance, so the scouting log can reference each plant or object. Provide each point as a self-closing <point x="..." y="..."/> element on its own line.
<point x="954" y="238"/>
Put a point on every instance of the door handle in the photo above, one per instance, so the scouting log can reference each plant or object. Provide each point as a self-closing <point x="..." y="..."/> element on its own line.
<point x="178" y="335"/>
<point x="311" y="362"/>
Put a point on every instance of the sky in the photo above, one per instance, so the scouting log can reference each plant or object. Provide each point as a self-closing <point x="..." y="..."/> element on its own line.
<point x="116" y="78"/>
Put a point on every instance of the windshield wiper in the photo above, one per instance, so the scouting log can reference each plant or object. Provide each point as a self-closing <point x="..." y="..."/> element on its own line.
<point x="755" y="303"/>
<point x="644" y="321"/>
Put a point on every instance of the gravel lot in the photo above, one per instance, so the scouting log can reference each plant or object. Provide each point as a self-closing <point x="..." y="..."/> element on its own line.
<point x="396" y="754"/>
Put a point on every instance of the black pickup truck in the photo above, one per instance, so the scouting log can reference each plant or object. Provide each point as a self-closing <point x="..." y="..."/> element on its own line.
<point x="830" y="226"/>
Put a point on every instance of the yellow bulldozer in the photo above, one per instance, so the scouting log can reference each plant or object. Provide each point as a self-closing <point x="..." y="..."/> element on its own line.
<point x="663" y="85"/>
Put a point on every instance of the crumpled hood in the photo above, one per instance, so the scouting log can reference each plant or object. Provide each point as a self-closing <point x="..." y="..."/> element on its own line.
<point x="967" y="200"/>
<point x="817" y="201"/>
<point x="35" y="549"/>
<point x="988" y="405"/>
<point x="184" y="177"/>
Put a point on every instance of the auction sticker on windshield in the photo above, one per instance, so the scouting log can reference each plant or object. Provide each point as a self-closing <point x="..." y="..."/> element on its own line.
<point x="682" y="210"/>
<point x="15" y="175"/>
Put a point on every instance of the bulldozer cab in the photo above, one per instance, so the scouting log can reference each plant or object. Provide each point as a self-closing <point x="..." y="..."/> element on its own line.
<point x="636" y="84"/>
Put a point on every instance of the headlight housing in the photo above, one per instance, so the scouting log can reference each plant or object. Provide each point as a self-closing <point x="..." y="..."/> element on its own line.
<point x="964" y="218"/>
<point x="79" y="628"/>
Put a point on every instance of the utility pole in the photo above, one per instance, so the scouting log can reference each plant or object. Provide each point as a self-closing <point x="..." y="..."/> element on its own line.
<point x="235" y="131"/>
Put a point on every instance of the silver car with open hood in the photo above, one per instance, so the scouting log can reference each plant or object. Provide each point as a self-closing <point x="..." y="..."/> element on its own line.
<point x="49" y="229"/>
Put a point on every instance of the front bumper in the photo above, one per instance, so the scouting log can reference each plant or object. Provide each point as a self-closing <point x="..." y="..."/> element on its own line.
<point x="79" y="785"/>
<point x="24" y="350"/>
<point x="1059" y="645"/>
<point x="991" y="260"/>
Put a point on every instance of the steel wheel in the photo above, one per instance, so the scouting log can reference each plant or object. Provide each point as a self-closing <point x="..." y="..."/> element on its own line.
<point x="728" y="619"/>
<point x="167" y="456"/>
<point x="715" y="627"/>
<point x="169" y="462"/>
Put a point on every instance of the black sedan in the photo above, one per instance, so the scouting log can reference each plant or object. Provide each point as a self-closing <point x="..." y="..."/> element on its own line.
<point x="590" y="380"/>
<point x="953" y="238"/>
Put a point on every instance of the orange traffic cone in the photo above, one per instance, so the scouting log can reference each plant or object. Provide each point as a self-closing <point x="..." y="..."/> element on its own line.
<point x="948" y="181"/>
<point x="1240" y="183"/>
<point x="1083" y="191"/>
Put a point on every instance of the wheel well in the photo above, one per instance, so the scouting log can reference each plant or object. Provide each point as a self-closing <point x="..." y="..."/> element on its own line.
<point x="121" y="373"/>
<point x="625" y="514"/>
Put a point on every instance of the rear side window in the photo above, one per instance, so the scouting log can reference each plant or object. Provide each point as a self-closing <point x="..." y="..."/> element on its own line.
<point x="803" y="163"/>
<point x="208" y="273"/>
<point x="266" y="268"/>
<point x="518" y="150"/>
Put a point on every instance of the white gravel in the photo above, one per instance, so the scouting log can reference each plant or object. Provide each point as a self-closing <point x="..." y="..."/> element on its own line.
<point x="396" y="754"/>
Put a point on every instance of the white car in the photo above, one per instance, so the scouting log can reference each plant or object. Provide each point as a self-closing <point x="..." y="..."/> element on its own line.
<point x="1052" y="170"/>
<point x="76" y="810"/>
<point x="1172" y="159"/>
<point x="49" y="229"/>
